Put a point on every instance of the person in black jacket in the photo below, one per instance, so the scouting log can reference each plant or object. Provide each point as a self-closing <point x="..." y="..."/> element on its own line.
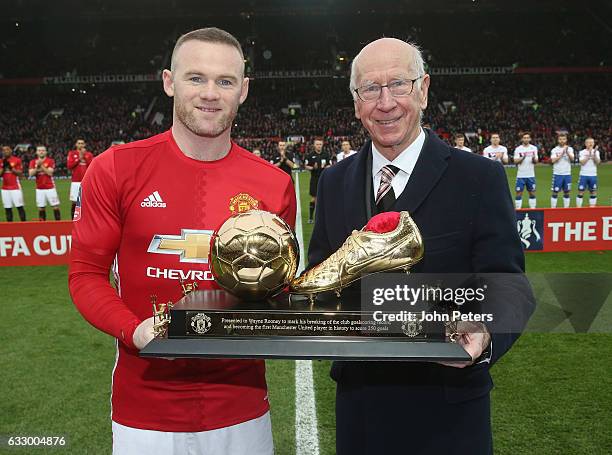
<point x="463" y="208"/>
<point x="315" y="163"/>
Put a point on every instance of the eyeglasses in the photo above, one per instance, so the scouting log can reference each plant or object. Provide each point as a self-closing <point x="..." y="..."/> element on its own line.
<point x="397" y="88"/>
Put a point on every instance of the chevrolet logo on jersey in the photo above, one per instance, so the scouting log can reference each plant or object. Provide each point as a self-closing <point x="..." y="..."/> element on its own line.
<point x="192" y="245"/>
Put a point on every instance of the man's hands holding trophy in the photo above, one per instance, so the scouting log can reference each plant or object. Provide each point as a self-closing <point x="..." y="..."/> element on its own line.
<point x="473" y="337"/>
<point x="144" y="333"/>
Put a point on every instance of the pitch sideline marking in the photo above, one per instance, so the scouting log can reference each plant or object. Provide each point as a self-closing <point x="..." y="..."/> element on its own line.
<point x="306" y="427"/>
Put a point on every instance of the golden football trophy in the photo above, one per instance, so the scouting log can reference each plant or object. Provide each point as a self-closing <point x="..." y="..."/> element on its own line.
<point x="254" y="255"/>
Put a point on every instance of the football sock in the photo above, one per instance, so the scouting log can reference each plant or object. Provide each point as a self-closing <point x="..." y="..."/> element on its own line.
<point x="593" y="201"/>
<point x="311" y="209"/>
<point x="21" y="211"/>
<point x="57" y="214"/>
<point x="9" y="214"/>
<point x="532" y="202"/>
<point x="553" y="201"/>
<point x="42" y="214"/>
<point x="518" y="202"/>
<point x="579" y="200"/>
<point x="566" y="200"/>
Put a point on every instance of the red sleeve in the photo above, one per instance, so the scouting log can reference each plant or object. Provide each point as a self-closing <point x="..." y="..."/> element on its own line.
<point x="72" y="162"/>
<point x="289" y="205"/>
<point x="32" y="164"/>
<point x="89" y="157"/>
<point x="19" y="164"/>
<point x="95" y="241"/>
<point x="51" y="163"/>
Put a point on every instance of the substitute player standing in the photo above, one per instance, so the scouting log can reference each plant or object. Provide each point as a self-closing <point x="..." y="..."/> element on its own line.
<point x="589" y="160"/>
<point x="525" y="157"/>
<point x="150" y="208"/>
<point x="495" y="151"/>
<point x="78" y="161"/>
<point x="43" y="168"/>
<point x="345" y="151"/>
<point x="561" y="158"/>
<point x="12" y="196"/>
<point x="315" y="163"/>
<point x="460" y="143"/>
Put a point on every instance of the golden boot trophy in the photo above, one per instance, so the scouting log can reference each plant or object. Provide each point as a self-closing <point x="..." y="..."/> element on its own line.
<point x="364" y="252"/>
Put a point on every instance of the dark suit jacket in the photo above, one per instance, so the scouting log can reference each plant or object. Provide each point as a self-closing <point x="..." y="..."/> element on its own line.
<point x="463" y="208"/>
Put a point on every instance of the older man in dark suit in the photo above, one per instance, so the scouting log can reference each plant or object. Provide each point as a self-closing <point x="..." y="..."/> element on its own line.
<point x="463" y="208"/>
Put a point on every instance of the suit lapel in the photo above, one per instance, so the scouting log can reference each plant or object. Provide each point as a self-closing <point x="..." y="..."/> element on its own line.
<point x="430" y="166"/>
<point x="355" y="190"/>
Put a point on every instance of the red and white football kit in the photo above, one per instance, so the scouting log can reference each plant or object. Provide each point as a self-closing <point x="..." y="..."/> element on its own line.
<point x="45" y="186"/>
<point x="151" y="209"/>
<point x="78" y="168"/>
<point x="12" y="196"/>
<point x="44" y="181"/>
<point x="10" y="181"/>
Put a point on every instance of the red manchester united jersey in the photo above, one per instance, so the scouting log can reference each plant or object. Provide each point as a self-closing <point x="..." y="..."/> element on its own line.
<point x="43" y="181"/>
<point x="10" y="181"/>
<point x="78" y="166"/>
<point x="151" y="209"/>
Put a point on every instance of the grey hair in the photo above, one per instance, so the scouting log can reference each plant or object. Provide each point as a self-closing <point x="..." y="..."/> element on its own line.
<point x="419" y="64"/>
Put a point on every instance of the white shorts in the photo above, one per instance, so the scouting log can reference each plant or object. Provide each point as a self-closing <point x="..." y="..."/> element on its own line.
<point x="74" y="191"/>
<point x="253" y="437"/>
<point x="12" y="198"/>
<point x="44" y="196"/>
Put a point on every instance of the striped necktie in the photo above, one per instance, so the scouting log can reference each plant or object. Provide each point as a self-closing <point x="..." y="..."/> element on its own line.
<point x="385" y="198"/>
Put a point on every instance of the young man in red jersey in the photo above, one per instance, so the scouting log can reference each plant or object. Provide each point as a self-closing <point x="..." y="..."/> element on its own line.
<point x="179" y="185"/>
<point x="43" y="168"/>
<point x="78" y="161"/>
<point x="12" y="196"/>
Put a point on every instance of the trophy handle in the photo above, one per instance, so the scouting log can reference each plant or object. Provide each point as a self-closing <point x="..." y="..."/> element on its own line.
<point x="161" y="317"/>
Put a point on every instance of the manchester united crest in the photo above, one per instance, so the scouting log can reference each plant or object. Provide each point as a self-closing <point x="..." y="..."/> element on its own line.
<point x="200" y="323"/>
<point x="243" y="202"/>
<point x="412" y="328"/>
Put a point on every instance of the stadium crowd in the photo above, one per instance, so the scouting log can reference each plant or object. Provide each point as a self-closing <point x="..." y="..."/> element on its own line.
<point x="300" y="110"/>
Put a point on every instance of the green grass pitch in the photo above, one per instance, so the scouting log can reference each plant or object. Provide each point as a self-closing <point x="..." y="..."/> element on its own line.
<point x="552" y="391"/>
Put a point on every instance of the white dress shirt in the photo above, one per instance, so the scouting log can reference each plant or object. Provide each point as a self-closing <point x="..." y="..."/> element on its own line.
<point x="405" y="162"/>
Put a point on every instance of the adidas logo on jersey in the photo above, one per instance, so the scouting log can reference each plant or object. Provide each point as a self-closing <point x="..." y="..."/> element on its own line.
<point x="153" y="200"/>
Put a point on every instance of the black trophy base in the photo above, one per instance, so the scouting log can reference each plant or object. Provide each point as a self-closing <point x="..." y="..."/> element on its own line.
<point x="292" y="328"/>
<point x="303" y="348"/>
